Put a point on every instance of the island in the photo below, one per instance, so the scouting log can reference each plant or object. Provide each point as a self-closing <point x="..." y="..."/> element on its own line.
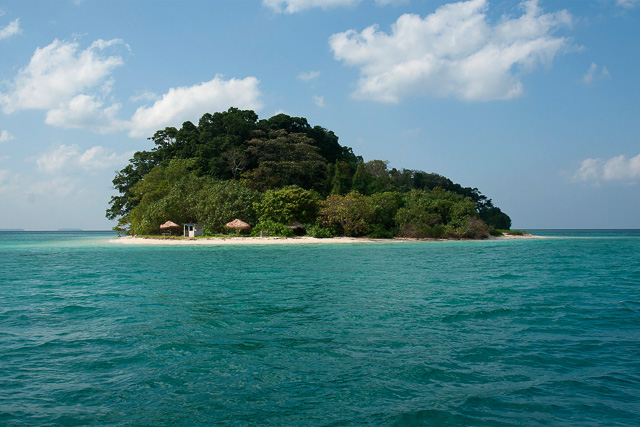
<point x="283" y="177"/>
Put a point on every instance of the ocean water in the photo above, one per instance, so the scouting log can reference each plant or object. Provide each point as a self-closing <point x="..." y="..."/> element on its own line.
<point x="497" y="333"/>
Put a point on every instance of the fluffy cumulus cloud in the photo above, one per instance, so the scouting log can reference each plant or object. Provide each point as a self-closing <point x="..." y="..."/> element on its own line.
<point x="453" y="52"/>
<point x="72" y="86"/>
<point x="10" y="30"/>
<point x="58" y="72"/>
<point x="69" y="159"/>
<point x="5" y="136"/>
<point x="187" y="103"/>
<point x="617" y="168"/>
<point x="86" y="111"/>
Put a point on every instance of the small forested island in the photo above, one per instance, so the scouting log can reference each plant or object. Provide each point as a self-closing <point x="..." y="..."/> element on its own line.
<point x="279" y="171"/>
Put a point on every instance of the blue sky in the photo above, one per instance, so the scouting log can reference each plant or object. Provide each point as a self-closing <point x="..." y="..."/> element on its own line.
<point x="535" y="103"/>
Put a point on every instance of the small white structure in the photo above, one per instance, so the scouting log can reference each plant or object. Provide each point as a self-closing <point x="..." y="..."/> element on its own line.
<point x="193" y="230"/>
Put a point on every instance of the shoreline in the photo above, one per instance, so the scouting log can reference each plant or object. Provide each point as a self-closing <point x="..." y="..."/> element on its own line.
<point x="218" y="241"/>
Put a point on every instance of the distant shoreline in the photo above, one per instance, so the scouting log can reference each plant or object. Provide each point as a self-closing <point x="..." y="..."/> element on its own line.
<point x="287" y="240"/>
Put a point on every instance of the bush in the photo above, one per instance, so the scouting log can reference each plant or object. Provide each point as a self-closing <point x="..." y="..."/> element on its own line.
<point x="434" y="214"/>
<point x="222" y="201"/>
<point x="475" y="229"/>
<point x="271" y="228"/>
<point x="515" y="232"/>
<point x="495" y="232"/>
<point x="287" y="205"/>
<point x="319" y="232"/>
<point x="351" y="214"/>
<point x="385" y="207"/>
<point x="376" y="231"/>
<point x="494" y="217"/>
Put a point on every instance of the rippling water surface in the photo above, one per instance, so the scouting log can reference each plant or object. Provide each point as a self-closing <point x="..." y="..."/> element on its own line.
<point x="522" y="332"/>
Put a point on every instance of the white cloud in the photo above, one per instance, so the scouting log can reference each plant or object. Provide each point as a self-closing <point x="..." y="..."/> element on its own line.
<point x="5" y="136"/>
<point x="311" y="75"/>
<point x="70" y="159"/>
<point x="144" y="96"/>
<point x="294" y="6"/>
<point x="59" y="72"/>
<point x="10" y="30"/>
<point x="617" y="168"/>
<point x="85" y="111"/>
<point x="189" y="103"/>
<point x="595" y="73"/>
<point x="628" y="4"/>
<point x="453" y="52"/>
<point x="318" y="100"/>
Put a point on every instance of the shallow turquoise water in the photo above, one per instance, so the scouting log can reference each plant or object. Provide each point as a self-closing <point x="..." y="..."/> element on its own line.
<point x="525" y="332"/>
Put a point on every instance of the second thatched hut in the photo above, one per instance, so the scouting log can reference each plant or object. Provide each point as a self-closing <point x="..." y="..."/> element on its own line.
<point x="238" y="225"/>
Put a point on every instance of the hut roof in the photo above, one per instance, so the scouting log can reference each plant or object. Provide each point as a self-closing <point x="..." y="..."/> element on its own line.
<point x="295" y="225"/>
<point x="238" y="225"/>
<point x="169" y="224"/>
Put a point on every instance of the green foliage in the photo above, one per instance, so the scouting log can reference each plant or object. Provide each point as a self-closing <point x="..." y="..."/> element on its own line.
<point x="319" y="232"/>
<point x="362" y="180"/>
<point x="473" y="228"/>
<point x="221" y="202"/>
<point x="271" y="228"/>
<point x="431" y="213"/>
<point x="342" y="178"/>
<point x="288" y="204"/>
<point x="164" y="194"/>
<point x="376" y="231"/>
<point x="186" y="177"/>
<point x="157" y="183"/>
<point x="192" y="199"/>
<point x="495" y="232"/>
<point x="514" y="232"/>
<point x="385" y="207"/>
<point x="124" y="181"/>
<point x="284" y="159"/>
<point x="349" y="215"/>
<point x="494" y="217"/>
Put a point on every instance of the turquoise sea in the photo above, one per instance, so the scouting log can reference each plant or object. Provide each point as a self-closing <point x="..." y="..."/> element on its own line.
<point x="492" y="333"/>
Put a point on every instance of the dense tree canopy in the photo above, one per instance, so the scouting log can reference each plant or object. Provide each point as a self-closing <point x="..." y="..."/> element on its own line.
<point x="277" y="170"/>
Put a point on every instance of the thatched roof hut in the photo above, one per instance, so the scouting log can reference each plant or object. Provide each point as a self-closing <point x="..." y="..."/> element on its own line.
<point x="169" y="225"/>
<point x="297" y="228"/>
<point x="238" y="225"/>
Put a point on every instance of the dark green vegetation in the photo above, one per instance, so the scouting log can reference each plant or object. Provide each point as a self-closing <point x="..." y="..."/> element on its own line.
<point x="280" y="170"/>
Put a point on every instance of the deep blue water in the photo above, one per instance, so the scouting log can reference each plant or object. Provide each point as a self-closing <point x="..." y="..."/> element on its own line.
<point x="520" y="332"/>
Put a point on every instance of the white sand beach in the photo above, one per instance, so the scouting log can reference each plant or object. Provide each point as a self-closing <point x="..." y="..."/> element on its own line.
<point x="129" y="240"/>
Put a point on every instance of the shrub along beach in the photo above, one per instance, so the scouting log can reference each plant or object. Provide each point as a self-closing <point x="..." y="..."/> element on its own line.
<point x="284" y="177"/>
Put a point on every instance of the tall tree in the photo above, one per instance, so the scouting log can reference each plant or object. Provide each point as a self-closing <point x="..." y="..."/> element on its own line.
<point x="284" y="159"/>
<point x="342" y="178"/>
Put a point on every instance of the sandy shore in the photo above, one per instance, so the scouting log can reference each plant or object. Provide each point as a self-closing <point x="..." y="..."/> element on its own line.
<point x="281" y="240"/>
